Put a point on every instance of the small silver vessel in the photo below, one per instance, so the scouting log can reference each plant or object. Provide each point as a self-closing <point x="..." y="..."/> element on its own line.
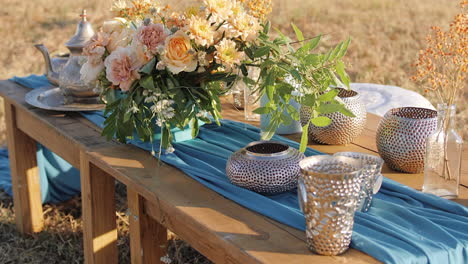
<point x="69" y="77"/>
<point x="267" y="167"/>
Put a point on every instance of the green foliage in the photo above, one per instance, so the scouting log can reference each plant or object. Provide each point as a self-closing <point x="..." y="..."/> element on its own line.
<point x="130" y="114"/>
<point x="294" y="70"/>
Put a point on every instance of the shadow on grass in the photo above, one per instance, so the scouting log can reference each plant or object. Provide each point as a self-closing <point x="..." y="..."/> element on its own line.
<point x="62" y="242"/>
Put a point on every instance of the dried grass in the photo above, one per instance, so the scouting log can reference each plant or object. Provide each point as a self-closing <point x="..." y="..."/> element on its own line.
<point x="386" y="36"/>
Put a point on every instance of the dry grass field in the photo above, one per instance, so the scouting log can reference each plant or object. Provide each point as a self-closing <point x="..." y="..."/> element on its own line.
<point x="386" y="36"/>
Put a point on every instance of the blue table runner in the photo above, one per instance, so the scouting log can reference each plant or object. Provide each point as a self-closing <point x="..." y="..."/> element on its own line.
<point x="402" y="226"/>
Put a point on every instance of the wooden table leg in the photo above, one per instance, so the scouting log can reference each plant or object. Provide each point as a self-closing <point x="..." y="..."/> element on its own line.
<point x="99" y="219"/>
<point x="24" y="176"/>
<point x="148" y="238"/>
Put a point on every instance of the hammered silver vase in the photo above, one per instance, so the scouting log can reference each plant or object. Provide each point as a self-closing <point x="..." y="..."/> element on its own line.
<point x="401" y="137"/>
<point x="267" y="167"/>
<point x="343" y="129"/>
<point x="328" y="192"/>
<point x="371" y="177"/>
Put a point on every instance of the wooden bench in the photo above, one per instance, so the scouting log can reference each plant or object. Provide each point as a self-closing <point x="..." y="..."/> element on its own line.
<point x="160" y="197"/>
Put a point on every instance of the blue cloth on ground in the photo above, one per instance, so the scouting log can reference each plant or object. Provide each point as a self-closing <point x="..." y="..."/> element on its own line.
<point x="402" y="226"/>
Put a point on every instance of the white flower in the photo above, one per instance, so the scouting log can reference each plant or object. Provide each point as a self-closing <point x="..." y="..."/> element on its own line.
<point x="90" y="71"/>
<point x="169" y="150"/>
<point x="201" y="31"/>
<point x="245" y="26"/>
<point x="227" y="55"/>
<point x="202" y="59"/>
<point x="220" y="9"/>
<point x="160" y="66"/>
<point x="134" y="109"/>
<point x="120" y="38"/>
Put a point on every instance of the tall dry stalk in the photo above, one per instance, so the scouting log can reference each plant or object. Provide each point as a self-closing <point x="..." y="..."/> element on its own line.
<point x="442" y="68"/>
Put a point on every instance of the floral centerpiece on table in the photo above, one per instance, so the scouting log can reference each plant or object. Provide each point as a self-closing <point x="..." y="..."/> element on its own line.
<point x="160" y="69"/>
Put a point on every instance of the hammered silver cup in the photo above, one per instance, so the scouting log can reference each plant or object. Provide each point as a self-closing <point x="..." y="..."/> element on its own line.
<point x="267" y="167"/>
<point x="343" y="129"/>
<point x="401" y="137"/>
<point x="328" y="190"/>
<point x="371" y="177"/>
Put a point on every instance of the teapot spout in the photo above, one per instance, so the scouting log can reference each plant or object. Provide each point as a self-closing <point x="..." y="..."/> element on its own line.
<point x="52" y="76"/>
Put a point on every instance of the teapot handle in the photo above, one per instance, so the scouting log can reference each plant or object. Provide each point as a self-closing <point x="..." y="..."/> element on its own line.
<point x="302" y="195"/>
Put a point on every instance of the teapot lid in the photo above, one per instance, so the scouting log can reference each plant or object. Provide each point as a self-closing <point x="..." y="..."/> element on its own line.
<point x="84" y="32"/>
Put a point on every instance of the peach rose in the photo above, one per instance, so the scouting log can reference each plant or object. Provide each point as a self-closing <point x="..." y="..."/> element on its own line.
<point x="95" y="48"/>
<point x="120" y="39"/>
<point x="178" y="55"/>
<point x="122" y="67"/>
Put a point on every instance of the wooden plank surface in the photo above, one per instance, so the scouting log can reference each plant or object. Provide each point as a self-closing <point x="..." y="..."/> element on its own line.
<point x="230" y="231"/>
<point x="99" y="219"/>
<point x="24" y="175"/>
<point x="64" y="133"/>
<point x="233" y="233"/>
<point x="148" y="238"/>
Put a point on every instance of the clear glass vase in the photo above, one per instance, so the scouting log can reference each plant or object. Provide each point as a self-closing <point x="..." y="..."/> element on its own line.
<point x="443" y="156"/>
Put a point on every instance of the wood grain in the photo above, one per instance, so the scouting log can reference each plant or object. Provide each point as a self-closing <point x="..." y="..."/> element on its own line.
<point x="24" y="175"/>
<point x="99" y="219"/>
<point x="230" y="232"/>
<point x="148" y="238"/>
<point x="222" y="230"/>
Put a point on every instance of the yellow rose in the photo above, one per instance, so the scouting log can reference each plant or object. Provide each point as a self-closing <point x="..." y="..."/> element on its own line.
<point x="178" y="54"/>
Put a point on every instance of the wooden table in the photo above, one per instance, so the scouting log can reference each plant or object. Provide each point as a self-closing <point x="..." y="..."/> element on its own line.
<point x="160" y="197"/>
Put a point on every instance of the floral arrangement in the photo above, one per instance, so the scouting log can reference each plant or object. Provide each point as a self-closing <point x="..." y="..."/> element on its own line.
<point x="442" y="67"/>
<point x="160" y="69"/>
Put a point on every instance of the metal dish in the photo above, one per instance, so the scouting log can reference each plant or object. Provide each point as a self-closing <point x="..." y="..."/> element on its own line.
<point x="51" y="98"/>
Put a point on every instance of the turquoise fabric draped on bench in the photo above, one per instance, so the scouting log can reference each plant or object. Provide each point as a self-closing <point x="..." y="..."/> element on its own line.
<point x="402" y="226"/>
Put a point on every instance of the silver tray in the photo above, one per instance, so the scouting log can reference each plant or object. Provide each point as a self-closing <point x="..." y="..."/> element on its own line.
<point x="51" y="98"/>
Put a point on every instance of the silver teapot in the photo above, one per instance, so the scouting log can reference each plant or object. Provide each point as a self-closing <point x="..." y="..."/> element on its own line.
<point x="68" y="76"/>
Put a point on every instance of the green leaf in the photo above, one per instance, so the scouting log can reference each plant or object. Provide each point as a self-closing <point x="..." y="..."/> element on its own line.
<point x="147" y="83"/>
<point x="286" y="119"/>
<point x="312" y="59"/>
<point x="205" y="119"/>
<point x="321" y="121"/>
<point x="249" y="53"/>
<point x="127" y="116"/>
<point x="165" y="136"/>
<point x="309" y="100"/>
<point x="345" y="111"/>
<point x="195" y="127"/>
<point x="344" y="48"/>
<point x="329" y="108"/>
<point x="304" y="138"/>
<point x="296" y="74"/>
<point x="336" y="51"/>
<point x="266" y="27"/>
<point x="299" y="35"/>
<point x="262" y="51"/>
<point x="269" y="131"/>
<point x="340" y="70"/>
<point x="313" y="42"/>
<point x="270" y="91"/>
<point x="148" y="68"/>
<point x="262" y="110"/>
<point x="244" y="70"/>
<point x="293" y="112"/>
<point x="330" y="95"/>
